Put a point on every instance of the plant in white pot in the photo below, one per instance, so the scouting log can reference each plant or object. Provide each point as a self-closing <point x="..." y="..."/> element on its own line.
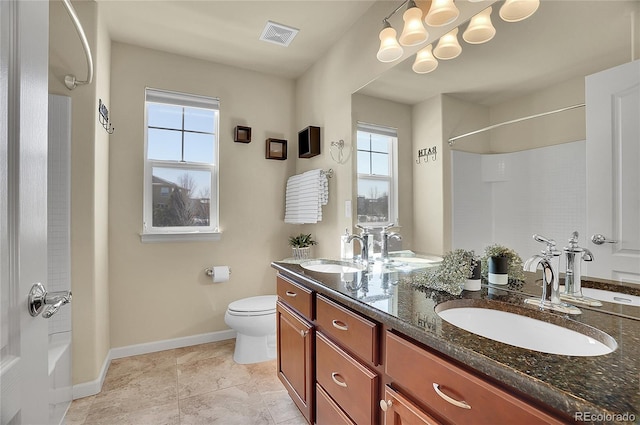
<point x="301" y="245"/>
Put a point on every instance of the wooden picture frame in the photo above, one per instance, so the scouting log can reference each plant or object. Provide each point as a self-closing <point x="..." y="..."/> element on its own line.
<point x="242" y="134"/>
<point x="276" y="149"/>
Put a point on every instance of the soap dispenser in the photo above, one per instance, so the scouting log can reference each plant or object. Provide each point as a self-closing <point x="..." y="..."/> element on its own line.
<point x="346" y="247"/>
<point x="574" y="256"/>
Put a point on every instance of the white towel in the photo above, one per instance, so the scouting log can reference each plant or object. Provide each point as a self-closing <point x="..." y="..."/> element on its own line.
<point x="304" y="197"/>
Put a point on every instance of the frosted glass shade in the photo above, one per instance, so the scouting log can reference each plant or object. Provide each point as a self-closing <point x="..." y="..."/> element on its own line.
<point x="425" y="61"/>
<point x="389" y="50"/>
<point x="448" y="46"/>
<point x="518" y="10"/>
<point x="414" y="31"/>
<point x="442" y="12"/>
<point x="480" y="29"/>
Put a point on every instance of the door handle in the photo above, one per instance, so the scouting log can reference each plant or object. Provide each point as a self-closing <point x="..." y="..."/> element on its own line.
<point x="39" y="298"/>
<point x="599" y="239"/>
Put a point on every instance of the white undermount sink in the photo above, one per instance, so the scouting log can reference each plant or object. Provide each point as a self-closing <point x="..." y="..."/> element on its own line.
<point x="612" y="297"/>
<point x="331" y="266"/>
<point x="526" y="332"/>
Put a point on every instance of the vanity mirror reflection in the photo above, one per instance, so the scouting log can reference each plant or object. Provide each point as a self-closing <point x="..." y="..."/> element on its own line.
<point x="531" y="177"/>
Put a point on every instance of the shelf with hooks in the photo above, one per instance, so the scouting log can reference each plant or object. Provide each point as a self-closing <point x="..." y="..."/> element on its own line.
<point x="426" y="154"/>
<point x="103" y="117"/>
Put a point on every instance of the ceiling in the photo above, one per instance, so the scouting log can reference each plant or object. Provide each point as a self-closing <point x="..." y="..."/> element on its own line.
<point x="563" y="39"/>
<point x="227" y="32"/>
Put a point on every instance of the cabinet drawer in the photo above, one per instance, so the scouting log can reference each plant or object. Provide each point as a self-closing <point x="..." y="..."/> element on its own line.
<point x="296" y="296"/>
<point x="454" y="394"/>
<point x="349" y="383"/>
<point x="351" y="330"/>
<point x="327" y="411"/>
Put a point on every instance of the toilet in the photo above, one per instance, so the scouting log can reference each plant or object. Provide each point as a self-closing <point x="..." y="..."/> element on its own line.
<point x="254" y="320"/>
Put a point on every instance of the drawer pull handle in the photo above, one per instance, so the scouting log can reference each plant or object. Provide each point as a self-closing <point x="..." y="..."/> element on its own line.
<point x="291" y="294"/>
<point x="303" y="333"/>
<point x="385" y="405"/>
<point x="461" y="404"/>
<point x="339" y="325"/>
<point x="340" y="381"/>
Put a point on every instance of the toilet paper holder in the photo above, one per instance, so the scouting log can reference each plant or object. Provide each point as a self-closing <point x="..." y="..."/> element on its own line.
<point x="209" y="271"/>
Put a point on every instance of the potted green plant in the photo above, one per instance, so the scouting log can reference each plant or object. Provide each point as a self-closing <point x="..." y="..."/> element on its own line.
<point x="301" y="245"/>
<point x="501" y="265"/>
<point x="451" y="276"/>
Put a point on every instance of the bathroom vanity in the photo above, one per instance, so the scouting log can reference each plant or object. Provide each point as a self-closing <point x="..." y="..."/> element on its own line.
<point x="366" y="347"/>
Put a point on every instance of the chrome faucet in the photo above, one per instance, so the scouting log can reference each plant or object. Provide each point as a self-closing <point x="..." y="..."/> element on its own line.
<point x="549" y="260"/>
<point x="573" y="277"/>
<point x="385" y="235"/>
<point x="364" y="243"/>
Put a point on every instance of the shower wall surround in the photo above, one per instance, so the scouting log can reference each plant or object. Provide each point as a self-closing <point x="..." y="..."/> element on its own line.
<point x="59" y="254"/>
<point x="506" y="198"/>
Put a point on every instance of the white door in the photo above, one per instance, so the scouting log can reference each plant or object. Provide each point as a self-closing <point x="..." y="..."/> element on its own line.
<point x="613" y="172"/>
<point x="24" y="27"/>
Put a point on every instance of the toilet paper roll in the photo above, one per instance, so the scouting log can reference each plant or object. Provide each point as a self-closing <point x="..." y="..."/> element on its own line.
<point x="220" y="274"/>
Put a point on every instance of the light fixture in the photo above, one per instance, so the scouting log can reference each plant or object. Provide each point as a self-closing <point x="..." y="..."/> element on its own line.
<point x="425" y="61"/>
<point x="389" y="50"/>
<point x="414" y="31"/>
<point x="518" y="10"/>
<point x="442" y="12"/>
<point x="448" y="46"/>
<point x="480" y="29"/>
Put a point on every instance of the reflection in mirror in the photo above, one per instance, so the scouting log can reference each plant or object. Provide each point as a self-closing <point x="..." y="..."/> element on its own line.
<point x="528" y="68"/>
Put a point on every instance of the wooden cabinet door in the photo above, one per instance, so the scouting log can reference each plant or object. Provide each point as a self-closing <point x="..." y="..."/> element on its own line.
<point x="398" y="410"/>
<point x="295" y="358"/>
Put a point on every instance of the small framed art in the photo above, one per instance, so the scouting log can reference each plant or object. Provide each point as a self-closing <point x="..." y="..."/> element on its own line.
<point x="276" y="149"/>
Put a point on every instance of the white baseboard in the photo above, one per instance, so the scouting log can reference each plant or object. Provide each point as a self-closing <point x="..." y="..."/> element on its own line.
<point x="86" y="389"/>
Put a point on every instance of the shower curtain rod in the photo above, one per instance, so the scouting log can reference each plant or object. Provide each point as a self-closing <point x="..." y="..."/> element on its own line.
<point x="491" y="127"/>
<point x="70" y="80"/>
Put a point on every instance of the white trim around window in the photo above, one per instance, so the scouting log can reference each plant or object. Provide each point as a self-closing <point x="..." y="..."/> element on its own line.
<point x="181" y="190"/>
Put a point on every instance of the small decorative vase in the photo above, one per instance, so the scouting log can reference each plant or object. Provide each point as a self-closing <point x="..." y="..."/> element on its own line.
<point x="498" y="270"/>
<point x="301" y="253"/>
<point x="473" y="283"/>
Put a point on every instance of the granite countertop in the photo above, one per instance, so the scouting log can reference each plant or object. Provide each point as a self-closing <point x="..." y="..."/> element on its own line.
<point x="605" y="389"/>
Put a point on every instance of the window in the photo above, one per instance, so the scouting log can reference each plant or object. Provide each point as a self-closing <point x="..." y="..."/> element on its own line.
<point x="377" y="171"/>
<point x="181" y="165"/>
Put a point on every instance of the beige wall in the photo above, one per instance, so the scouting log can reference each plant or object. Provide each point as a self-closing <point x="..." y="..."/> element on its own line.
<point x="563" y="127"/>
<point x="429" y="195"/>
<point x="159" y="291"/>
<point x="323" y="98"/>
<point x="89" y="171"/>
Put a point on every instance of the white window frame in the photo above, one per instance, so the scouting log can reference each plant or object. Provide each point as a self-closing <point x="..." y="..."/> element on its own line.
<point x="181" y="233"/>
<point x="393" y="168"/>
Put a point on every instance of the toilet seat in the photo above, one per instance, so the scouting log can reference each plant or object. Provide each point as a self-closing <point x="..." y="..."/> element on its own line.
<point x="254" y="306"/>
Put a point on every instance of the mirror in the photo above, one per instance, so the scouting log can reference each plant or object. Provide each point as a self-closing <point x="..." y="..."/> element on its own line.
<point x="561" y="41"/>
<point x="532" y="66"/>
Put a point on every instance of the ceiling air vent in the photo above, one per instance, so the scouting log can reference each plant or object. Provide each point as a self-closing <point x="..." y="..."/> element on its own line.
<point x="278" y="33"/>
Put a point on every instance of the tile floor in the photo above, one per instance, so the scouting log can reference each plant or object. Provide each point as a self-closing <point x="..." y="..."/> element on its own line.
<point x="192" y="385"/>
